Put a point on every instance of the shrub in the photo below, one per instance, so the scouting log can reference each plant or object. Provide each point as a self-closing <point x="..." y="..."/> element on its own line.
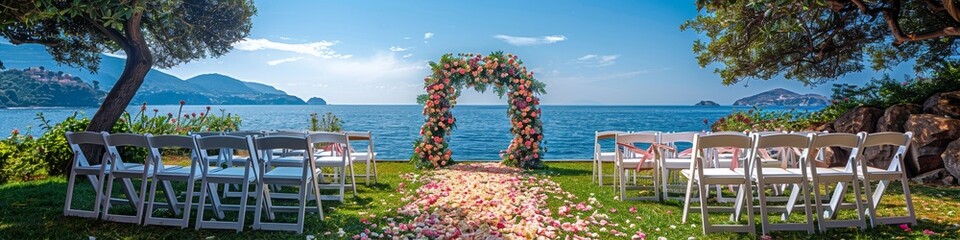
<point x="327" y="123"/>
<point x="23" y="157"/>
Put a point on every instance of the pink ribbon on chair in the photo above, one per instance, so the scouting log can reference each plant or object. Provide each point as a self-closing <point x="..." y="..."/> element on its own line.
<point x="647" y="154"/>
<point x="735" y="162"/>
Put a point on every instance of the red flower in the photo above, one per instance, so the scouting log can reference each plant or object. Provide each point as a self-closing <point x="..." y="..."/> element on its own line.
<point x="143" y="107"/>
<point x="208" y="108"/>
<point x="15" y="132"/>
<point x="182" y="102"/>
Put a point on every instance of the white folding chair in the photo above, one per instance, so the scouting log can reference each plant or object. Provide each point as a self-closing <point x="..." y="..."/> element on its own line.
<point x="368" y="158"/>
<point x="242" y="176"/>
<point x="120" y="170"/>
<point x="824" y="178"/>
<point x="339" y="159"/>
<point x="303" y="177"/>
<point x="765" y="177"/>
<point x="599" y="156"/>
<point x="95" y="173"/>
<point x="702" y="177"/>
<point x="883" y="177"/>
<point x="674" y="160"/>
<point x="630" y="157"/>
<point x="166" y="176"/>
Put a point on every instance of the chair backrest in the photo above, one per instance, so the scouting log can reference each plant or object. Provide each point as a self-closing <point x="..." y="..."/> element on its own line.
<point x="714" y="141"/>
<point x="189" y="143"/>
<point x="631" y="139"/>
<point x="230" y="142"/>
<point x="286" y="133"/>
<point x="821" y="141"/>
<point x="125" y="140"/>
<point x="783" y="143"/>
<point x="76" y="139"/>
<point x="264" y="145"/>
<point x="244" y="133"/>
<point x="607" y="134"/>
<point x="340" y="141"/>
<point x="674" y="139"/>
<point x="204" y="134"/>
<point x="899" y="140"/>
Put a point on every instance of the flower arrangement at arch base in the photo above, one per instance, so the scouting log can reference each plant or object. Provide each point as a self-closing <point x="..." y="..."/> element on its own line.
<point x="507" y="75"/>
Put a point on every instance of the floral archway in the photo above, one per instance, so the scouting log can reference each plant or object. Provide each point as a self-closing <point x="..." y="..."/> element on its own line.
<point x="507" y="75"/>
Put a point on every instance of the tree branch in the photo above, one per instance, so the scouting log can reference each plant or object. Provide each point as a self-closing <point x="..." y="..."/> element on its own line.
<point x="111" y="33"/>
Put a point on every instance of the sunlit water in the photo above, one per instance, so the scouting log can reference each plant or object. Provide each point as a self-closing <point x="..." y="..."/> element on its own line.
<point x="481" y="132"/>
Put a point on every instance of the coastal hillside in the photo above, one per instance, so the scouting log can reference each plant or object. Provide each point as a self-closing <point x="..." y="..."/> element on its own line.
<point x="783" y="97"/>
<point x="40" y="87"/>
<point x="158" y="87"/>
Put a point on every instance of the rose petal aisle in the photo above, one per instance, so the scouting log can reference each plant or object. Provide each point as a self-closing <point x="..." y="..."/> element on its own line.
<point x="491" y="201"/>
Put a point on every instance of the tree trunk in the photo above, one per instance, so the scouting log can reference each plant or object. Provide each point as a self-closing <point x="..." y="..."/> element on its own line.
<point x="139" y="62"/>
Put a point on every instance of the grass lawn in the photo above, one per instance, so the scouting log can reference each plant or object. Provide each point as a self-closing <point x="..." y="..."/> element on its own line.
<point x="33" y="210"/>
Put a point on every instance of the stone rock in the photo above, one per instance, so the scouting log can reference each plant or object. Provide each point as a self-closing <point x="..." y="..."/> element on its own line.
<point x="821" y="127"/>
<point x="951" y="158"/>
<point x="943" y="104"/>
<point x="834" y="157"/>
<point x="931" y="177"/>
<point x="949" y="180"/>
<point x="860" y="119"/>
<point x="895" y="116"/>
<point x="931" y="135"/>
<point x="892" y="120"/>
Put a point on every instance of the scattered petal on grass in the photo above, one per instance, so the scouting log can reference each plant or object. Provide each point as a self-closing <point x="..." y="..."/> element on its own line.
<point x="905" y="227"/>
<point x="929" y="232"/>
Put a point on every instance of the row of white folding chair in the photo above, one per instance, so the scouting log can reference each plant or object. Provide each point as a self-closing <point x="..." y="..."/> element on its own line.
<point x="113" y="167"/>
<point x="336" y="158"/>
<point x="200" y="170"/>
<point x="753" y="174"/>
<point x="368" y="157"/>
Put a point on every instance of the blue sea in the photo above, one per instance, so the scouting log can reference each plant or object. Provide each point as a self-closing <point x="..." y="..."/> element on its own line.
<point x="481" y="132"/>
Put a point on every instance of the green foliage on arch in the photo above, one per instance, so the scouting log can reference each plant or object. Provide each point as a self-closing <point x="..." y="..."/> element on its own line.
<point x="506" y="74"/>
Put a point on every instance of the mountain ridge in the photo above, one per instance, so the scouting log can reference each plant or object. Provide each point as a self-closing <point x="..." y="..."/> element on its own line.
<point x="783" y="97"/>
<point x="158" y="87"/>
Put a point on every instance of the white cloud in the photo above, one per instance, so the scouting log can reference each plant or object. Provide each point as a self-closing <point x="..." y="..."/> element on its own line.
<point x="317" y="49"/>
<point x="406" y="38"/>
<point x="427" y="35"/>
<point x="283" y="60"/>
<point x="593" y="60"/>
<point x="408" y="55"/>
<point x="529" y="41"/>
<point x="399" y="49"/>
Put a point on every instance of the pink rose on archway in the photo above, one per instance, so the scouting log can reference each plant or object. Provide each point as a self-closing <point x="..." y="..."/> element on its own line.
<point x="508" y="76"/>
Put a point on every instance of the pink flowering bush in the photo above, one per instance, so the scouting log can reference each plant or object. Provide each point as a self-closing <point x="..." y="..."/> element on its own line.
<point x="508" y="76"/>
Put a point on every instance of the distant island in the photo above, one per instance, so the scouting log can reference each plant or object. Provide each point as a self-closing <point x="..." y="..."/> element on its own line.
<point x="706" y="103"/>
<point x="158" y="88"/>
<point x="316" y="101"/>
<point x="783" y="97"/>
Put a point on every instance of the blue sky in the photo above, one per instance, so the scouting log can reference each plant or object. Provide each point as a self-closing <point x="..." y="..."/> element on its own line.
<point x="588" y="52"/>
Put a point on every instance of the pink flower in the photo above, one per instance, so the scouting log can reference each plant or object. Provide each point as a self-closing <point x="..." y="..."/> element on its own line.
<point x="633" y="209"/>
<point x="563" y="210"/>
<point x="928" y="232"/>
<point x="905" y="227"/>
<point x="613" y="210"/>
<point x="15" y="132"/>
<point x="766" y="237"/>
<point x="639" y="236"/>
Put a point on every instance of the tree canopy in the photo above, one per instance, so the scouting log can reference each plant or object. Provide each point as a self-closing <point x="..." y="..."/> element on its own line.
<point x="76" y="32"/>
<point x="150" y="33"/>
<point x="815" y="41"/>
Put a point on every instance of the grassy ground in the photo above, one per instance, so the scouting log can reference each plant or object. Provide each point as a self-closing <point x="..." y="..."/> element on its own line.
<point x="33" y="210"/>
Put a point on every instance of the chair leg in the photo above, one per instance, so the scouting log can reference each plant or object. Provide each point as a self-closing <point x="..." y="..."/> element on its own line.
<point x="353" y="179"/>
<point x="151" y="202"/>
<point x="764" y="214"/>
<point x="171" y="197"/>
<point x="301" y="212"/>
<point x="860" y="211"/>
<point x="188" y="203"/>
<point x="704" y="212"/>
<point x="241" y="215"/>
<point x="908" y="199"/>
<point x="686" y="200"/>
<point x="871" y="205"/>
<point x="109" y="193"/>
<point x="623" y="186"/>
<point x="203" y="202"/>
<point x="258" y="209"/>
<point x="68" y="201"/>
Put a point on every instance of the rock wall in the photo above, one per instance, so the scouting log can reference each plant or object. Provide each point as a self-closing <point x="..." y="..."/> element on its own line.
<point x="934" y="154"/>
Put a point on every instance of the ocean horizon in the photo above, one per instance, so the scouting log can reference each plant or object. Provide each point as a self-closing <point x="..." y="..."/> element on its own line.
<point x="482" y="130"/>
